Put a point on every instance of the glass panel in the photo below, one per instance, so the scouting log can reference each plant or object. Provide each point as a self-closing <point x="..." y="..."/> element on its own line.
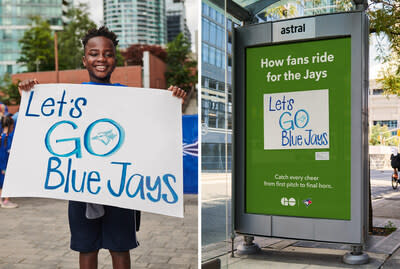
<point x="293" y="8"/>
<point x="216" y="138"/>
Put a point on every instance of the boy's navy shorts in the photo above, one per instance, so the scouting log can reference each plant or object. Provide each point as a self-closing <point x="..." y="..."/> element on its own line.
<point x="115" y="231"/>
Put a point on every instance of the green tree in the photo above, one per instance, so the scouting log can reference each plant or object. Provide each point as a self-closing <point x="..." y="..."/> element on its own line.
<point x="287" y="9"/>
<point x="380" y="135"/>
<point x="134" y="53"/>
<point x="181" y="69"/>
<point x="9" y="91"/>
<point x="384" y="22"/>
<point x="37" y="46"/>
<point x="120" y="58"/>
<point x="69" y="42"/>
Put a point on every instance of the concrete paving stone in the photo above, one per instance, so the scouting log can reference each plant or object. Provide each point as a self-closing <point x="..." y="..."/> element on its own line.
<point x="183" y="260"/>
<point x="29" y="258"/>
<point x="318" y="251"/>
<point x="191" y="255"/>
<point x="59" y="260"/>
<point x="164" y="252"/>
<point x="169" y="266"/>
<point x="253" y="264"/>
<point x="27" y="251"/>
<point x="210" y="251"/>
<point x="55" y="253"/>
<point x="388" y="244"/>
<point x="180" y="243"/>
<point x="303" y="260"/>
<point x="371" y="265"/>
<point x="316" y="244"/>
<point x="135" y="265"/>
<point x="134" y="258"/>
<point x="29" y="266"/>
<point x="396" y="255"/>
<point x="12" y="260"/>
<point x="281" y="244"/>
<point x="69" y="266"/>
<point x="391" y="264"/>
<point x="140" y="250"/>
<point x="182" y="249"/>
<point x="156" y="259"/>
<point x="163" y="239"/>
<point x="4" y="252"/>
<point x="74" y="254"/>
<point x="64" y="260"/>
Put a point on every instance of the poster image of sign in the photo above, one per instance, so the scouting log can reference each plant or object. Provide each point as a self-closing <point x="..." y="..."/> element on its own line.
<point x="296" y="120"/>
<point x="298" y="129"/>
<point x="109" y="145"/>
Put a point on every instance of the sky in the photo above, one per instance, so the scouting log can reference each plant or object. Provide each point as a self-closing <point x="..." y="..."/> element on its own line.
<point x="374" y="65"/>
<point x="192" y="8"/>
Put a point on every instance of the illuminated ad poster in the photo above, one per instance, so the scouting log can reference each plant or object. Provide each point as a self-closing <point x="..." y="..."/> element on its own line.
<point x="298" y="129"/>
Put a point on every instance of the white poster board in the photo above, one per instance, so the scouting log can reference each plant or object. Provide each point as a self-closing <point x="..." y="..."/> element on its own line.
<point x="109" y="145"/>
<point x="296" y="120"/>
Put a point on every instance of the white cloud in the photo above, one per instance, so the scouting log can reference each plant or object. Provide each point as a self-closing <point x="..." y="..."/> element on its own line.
<point x="192" y="15"/>
<point x="95" y="10"/>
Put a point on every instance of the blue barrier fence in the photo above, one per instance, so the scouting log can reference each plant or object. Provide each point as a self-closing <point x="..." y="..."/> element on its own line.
<point x="190" y="154"/>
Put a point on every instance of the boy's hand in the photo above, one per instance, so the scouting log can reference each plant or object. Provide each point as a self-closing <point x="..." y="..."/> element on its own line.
<point x="27" y="84"/>
<point x="178" y="92"/>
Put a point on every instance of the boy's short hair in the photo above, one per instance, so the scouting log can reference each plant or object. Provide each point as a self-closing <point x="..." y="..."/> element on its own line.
<point x="102" y="31"/>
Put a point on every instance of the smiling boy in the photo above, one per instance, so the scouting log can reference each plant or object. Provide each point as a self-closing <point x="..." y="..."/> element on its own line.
<point x="92" y="226"/>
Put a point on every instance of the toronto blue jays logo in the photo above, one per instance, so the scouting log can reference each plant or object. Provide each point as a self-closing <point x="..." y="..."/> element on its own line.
<point x="307" y="202"/>
<point x="105" y="137"/>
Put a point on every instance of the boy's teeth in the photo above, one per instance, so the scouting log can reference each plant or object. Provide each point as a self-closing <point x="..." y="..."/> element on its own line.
<point x="100" y="68"/>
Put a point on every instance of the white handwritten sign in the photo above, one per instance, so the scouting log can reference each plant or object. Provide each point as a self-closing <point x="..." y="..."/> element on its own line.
<point x="109" y="145"/>
<point x="296" y="120"/>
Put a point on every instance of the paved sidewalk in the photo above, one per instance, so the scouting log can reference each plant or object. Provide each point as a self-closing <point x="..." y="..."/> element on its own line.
<point x="36" y="235"/>
<point x="384" y="252"/>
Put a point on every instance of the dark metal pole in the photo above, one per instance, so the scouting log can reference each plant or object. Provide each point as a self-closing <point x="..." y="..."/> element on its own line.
<point x="56" y="56"/>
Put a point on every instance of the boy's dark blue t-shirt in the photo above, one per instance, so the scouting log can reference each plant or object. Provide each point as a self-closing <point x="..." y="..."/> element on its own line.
<point x="104" y="84"/>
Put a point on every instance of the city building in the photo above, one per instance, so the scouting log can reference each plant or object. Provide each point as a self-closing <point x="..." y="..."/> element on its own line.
<point x="216" y="90"/>
<point x="176" y="20"/>
<point x="383" y="110"/>
<point x="14" y="21"/>
<point x="136" y="21"/>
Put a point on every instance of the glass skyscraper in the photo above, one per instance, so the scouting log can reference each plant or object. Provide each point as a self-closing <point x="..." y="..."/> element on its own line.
<point x="136" y="21"/>
<point x="176" y="20"/>
<point x="216" y="92"/>
<point x="14" y="20"/>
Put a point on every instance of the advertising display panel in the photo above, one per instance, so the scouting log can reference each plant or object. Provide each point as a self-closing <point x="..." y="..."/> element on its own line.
<point x="298" y="100"/>
<point x="300" y="128"/>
